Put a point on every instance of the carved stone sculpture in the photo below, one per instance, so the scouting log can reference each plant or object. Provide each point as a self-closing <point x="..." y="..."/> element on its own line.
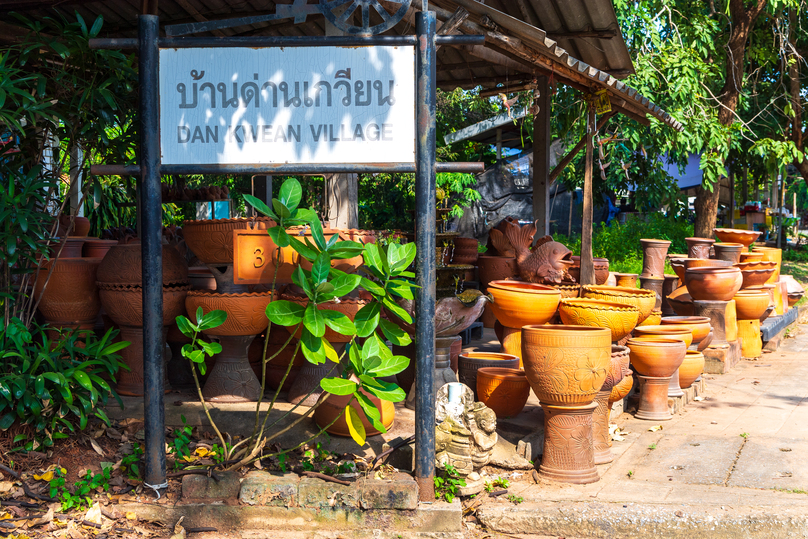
<point x="466" y="434"/>
<point x="547" y="263"/>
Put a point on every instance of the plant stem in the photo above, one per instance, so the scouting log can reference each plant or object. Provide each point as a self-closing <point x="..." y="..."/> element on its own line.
<point x="202" y="399"/>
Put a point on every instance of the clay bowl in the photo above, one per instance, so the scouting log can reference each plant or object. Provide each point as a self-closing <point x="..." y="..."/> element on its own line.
<point x="698" y="325"/>
<point x="681" y="302"/>
<point x="654" y="319"/>
<point x="713" y="284"/>
<point x="124" y="304"/>
<point x="517" y="303"/>
<point x="755" y="277"/>
<point x="734" y="235"/>
<point x="601" y="269"/>
<point x="469" y="363"/>
<point x="751" y="257"/>
<point x="751" y="304"/>
<point x="678" y="265"/>
<point x="211" y="240"/>
<point x="643" y="299"/>
<point x="246" y="313"/>
<point x="503" y="390"/>
<point x="668" y="332"/>
<point x="568" y="290"/>
<point x="794" y="297"/>
<point x="691" y="368"/>
<point x="620" y="318"/>
<point x="707" y="263"/>
<point x="657" y="357"/>
<point x="628" y="280"/>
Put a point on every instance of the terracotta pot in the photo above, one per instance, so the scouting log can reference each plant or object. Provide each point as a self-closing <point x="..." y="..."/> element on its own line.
<point x="201" y="278"/>
<point x="678" y="265"/>
<point x="496" y="268"/>
<point x="644" y="300"/>
<point x="601" y="269"/>
<point x="756" y="265"/>
<point x="772" y="255"/>
<point x="620" y="390"/>
<point x="334" y="405"/>
<point x="655" y="284"/>
<point x="734" y="235"/>
<point x="517" y="303"/>
<point x="670" y="284"/>
<point x="683" y="334"/>
<point x="699" y="326"/>
<point x="730" y="252"/>
<point x="124" y="304"/>
<point x="211" y="240"/>
<point x="122" y="265"/>
<point x="654" y="319"/>
<point x="347" y="306"/>
<point x="657" y="357"/>
<point x="568" y="290"/>
<point x="488" y="317"/>
<point x="246" y="313"/>
<point x="751" y="257"/>
<point x="755" y="277"/>
<point x="619" y="318"/>
<point x="600" y="417"/>
<point x="707" y="263"/>
<point x="69" y="247"/>
<point x="71" y="294"/>
<point x="566" y="365"/>
<point x="466" y="251"/>
<point x="713" y="284"/>
<point x="699" y="247"/>
<point x="794" y="297"/>
<point x="96" y="248"/>
<point x="681" y="302"/>
<point x="503" y="390"/>
<point x="653" y="404"/>
<point x="751" y="304"/>
<point x="626" y="280"/>
<point x="81" y="226"/>
<point x="470" y="362"/>
<point x="691" y="368"/>
<point x="653" y="257"/>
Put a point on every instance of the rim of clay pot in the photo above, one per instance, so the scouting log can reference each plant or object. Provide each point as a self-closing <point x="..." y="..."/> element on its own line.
<point x="522" y="286"/>
<point x="749" y="272"/>
<point x="626" y="274"/>
<point x="208" y="293"/>
<point x="736" y="231"/>
<point x="70" y="261"/>
<point x="752" y="291"/>
<point x="674" y="320"/>
<point x="728" y="245"/>
<point x="566" y="286"/>
<point x="708" y="263"/>
<point x="660" y="329"/>
<point x="200" y="222"/>
<point x="711" y="270"/>
<point x="484" y="255"/>
<point x="489" y="356"/>
<point x="619" y="350"/>
<point x="759" y="248"/>
<point x="623" y="291"/>
<point x="602" y="305"/>
<point x="700" y="240"/>
<point x="561" y="327"/>
<point x="138" y="288"/>
<point x="693" y="353"/>
<point x="99" y="241"/>
<point x="674" y="256"/>
<point x="653" y="241"/>
<point x="503" y="373"/>
<point x="768" y="264"/>
<point x="648" y="340"/>
<point x="764" y="286"/>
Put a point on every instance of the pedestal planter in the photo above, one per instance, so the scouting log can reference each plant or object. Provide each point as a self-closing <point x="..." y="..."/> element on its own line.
<point x="749" y="334"/>
<point x="716" y="311"/>
<point x="699" y="247"/>
<point x="653" y="404"/>
<point x="626" y="280"/>
<point x="653" y="257"/>
<point x="731" y="252"/>
<point x="517" y="304"/>
<point x="569" y="454"/>
<point x="468" y="365"/>
<point x="655" y="359"/>
<point x="503" y="390"/>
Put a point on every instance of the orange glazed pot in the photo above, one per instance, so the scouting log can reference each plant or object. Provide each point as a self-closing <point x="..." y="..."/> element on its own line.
<point x="756" y="277"/>
<point x="518" y="303"/>
<point x="469" y="363"/>
<point x="751" y="304"/>
<point x="503" y="390"/>
<point x="656" y="357"/>
<point x="698" y="325"/>
<point x="751" y="257"/>
<point x="713" y="284"/>
<point x="691" y="368"/>
<point x="643" y="299"/>
<point x="678" y="265"/>
<point x="333" y="405"/>
<point x="672" y="332"/>
<point x="618" y="317"/>
<point x="566" y="365"/>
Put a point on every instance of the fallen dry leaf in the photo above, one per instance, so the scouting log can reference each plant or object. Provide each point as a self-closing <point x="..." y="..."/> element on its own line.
<point x="655" y="428"/>
<point x="42" y="520"/>
<point x="179" y="531"/>
<point x="96" y="447"/>
<point x="94" y="514"/>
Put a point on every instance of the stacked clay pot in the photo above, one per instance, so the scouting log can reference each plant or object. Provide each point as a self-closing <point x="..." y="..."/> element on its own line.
<point x="503" y="390"/>
<point x="733" y="235"/>
<point x="618" y="364"/>
<point x="619" y="318"/>
<point x="713" y="283"/>
<point x="643" y="300"/>
<point x="699" y="247"/>
<point x="121" y="293"/>
<point x="469" y="363"/>
<point x="465" y="251"/>
<point x="655" y="359"/>
<point x="566" y="367"/>
<point x="620" y="389"/>
<point x="70" y="300"/>
<point x="691" y="368"/>
<point x="750" y="307"/>
<point x="699" y="326"/>
<point x="682" y="333"/>
<point x="730" y="252"/>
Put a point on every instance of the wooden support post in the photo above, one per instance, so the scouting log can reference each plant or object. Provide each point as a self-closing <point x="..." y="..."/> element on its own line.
<point x="731" y="219"/>
<point x="262" y="189"/>
<point x="499" y="143"/>
<point x="540" y="172"/>
<point x="745" y="185"/>
<point x="587" y="265"/>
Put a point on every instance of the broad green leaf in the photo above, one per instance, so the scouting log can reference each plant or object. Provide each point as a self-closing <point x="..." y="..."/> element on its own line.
<point x="355" y="358"/>
<point x="394" y="308"/>
<point x="82" y="378"/>
<point x="210" y="348"/>
<point x="260" y="206"/>
<point x="317" y="234"/>
<point x="330" y="353"/>
<point x="300" y="279"/>
<point x="371" y="412"/>
<point x="370" y="348"/>
<point x="339" y="322"/>
<point x="290" y="194"/>
<point x="355" y="426"/>
<point x="281" y="209"/>
<point x="345" y="284"/>
<point x="324" y="291"/>
<point x="312" y="347"/>
<point x="386" y="391"/>
<point x="303" y="249"/>
<point x="367" y="319"/>
<point x="394" y="334"/>
<point x="373" y="258"/>
<point x="390" y="366"/>
<point x="372" y="287"/>
<point x="185" y="326"/>
<point x="338" y="386"/>
<point x="400" y="259"/>
<point x="401" y="289"/>
<point x="7" y="420"/>
<point x="213" y="319"/>
<point x="285" y="313"/>
<point x="320" y="268"/>
<point x="279" y="236"/>
<point x="313" y="320"/>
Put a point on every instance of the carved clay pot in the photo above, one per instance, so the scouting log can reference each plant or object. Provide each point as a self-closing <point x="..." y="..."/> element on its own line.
<point x="699" y="326"/>
<point x="568" y="290"/>
<point x="751" y="304"/>
<point x="756" y="277"/>
<point x="566" y="365"/>
<point x="734" y="235"/>
<point x="201" y="278"/>
<point x="751" y="257"/>
<point x="470" y="362"/>
<point x="569" y="452"/>
<point x="81" y="226"/>
<point x="496" y="268"/>
<point x="503" y="390"/>
<point x="619" y="318"/>
<point x="600" y="417"/>
<point x="71" y="295"/>
<point x="211" y="240"/>
<point x="644" y="300"/>
<point x="670" y="284"/>
<point x="756" y="265"/>
<point x="96" y="248"/>
<point x="653" y="257"/>
<point x="122" y="265"/>
<point x="681" y="302"/>
<point x="626" y="280"/>
<point x="334" y="405"/>
<point x="699" y="247"/>
<point x="691" y="368"/>
<point x="772" y="255"/>
<point x="656" y="356"/>
<point x="653" y="319"/>
<point x="667" y="331"/>
<point x="730" y="252"/>
<point x="466" y="251"/>
<point x="517" y="304"/>
<point x="713" y="284"/>
<point x="601" y="269"/>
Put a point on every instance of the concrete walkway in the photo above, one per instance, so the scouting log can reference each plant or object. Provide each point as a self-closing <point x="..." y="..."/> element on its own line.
<point x="732" y="465"/>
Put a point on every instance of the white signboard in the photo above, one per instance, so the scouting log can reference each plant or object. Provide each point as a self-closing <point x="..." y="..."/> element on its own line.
<point x="292" y="105"/>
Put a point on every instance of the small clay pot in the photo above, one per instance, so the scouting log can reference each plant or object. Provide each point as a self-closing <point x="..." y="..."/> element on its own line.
<point x="466" y="251"/>
<point x="644" y="300"/>
<point x="667" y="331"/>
<point x="496" y="268"/>
<point x="620" y="318"/>
<point x="794" y="297"/>
<point x="470" y="362"/>
<point x="657" y="357"/>
<point x="713" y="284"/>
<point x="691" y="368"/>
<point x="751" y="304"/>
<point x="626" y="280"/>
<point x="81" y="226"/>
<point x="518" y="303"/>
<point x="751" y="257"/>
<point x="772" y="255"/>
<point x="734" y="235"/>
<point x="699" y="247"/>
<point x="503" y="390"/>
<point x="730" y="252"/>
<point x="755" y="277"/>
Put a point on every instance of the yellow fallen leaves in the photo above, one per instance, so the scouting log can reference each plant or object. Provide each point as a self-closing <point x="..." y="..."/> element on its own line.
<point x="49" y="473"/>
<point x="131" y="515"/>
<point x="199" y="453"/>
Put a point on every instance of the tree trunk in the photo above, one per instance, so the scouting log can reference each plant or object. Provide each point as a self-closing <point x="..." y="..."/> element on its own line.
<point x="797" y="134"/>
<point x="742" y="22"/>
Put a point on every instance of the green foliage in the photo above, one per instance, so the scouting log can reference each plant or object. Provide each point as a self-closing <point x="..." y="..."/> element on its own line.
<point x="179" y="445"/>
<point x="499" y="482"/>
<point x="54" y="386"/>
<point x="197" y="349"/>
<point x="130" y="464"/>
<point x="80" y="496"/>
<point x="514" y="499"/>
<point x="447" y="483"/>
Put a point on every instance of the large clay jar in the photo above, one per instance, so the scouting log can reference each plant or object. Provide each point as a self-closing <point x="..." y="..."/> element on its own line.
<point x="601" y="266"/>
<point x="699" y="247"/>
<point x="496" y="268"/>
<point x="96" y="248"/>
<point x="734" y="235"/>
<point x="465" y="251"/>
<point x="70" y="298"/>
<point x="122" y="266"/>
<point x="517" y="304"/>
<point x="469" y="363"/>
<point x="620" y="318"/>
<point x="713" y="284"/>
<point x="772" y="255"/>
<point x="211" y="240"/>
<point x="751" y="304"/>
<point x="691" y="368"/>
<point x="334" y="405"/>
<point x="81" y="225"/>
<point x="653" y="257"/>
<point x="644" y="300"/>
<point x="730" y="252"/>
<point x="503" y="390"/>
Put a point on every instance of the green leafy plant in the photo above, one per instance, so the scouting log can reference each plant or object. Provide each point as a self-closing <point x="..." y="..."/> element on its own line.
<point x="630" y="474"/>
<point x="745" y="435"/>
<point x="130" y="464"/>
<point x="180" y="443"/>
<point x="652" y="447"/>
<point x="81" y="495"/>
<point x="499" y="482"/>
<point x="514" y="499"/>
<point x="447" y="483"/>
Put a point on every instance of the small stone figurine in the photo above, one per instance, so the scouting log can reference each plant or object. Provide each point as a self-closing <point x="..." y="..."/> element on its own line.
<point x="466" y="432"/>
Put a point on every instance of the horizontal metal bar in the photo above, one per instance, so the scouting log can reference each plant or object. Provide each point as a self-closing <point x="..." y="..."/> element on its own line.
<point x="287" y="168"/>
<point x="281" y="41"/>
